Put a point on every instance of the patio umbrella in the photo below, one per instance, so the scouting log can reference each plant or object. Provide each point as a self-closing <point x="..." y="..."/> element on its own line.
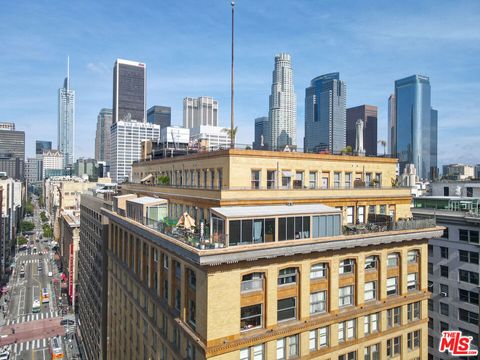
<point x="186" y="221"/>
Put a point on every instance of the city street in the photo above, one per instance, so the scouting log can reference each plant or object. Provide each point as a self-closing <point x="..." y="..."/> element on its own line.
<point x="31" y="315"/>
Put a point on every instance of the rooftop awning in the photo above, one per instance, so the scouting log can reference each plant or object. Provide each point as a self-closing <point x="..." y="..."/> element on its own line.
<point x="146" y="178"/>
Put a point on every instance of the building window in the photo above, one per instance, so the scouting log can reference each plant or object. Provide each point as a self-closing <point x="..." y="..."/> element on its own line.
<point x="190" y="350"/>
<point x="394" y="317"/>
<point x="251" y="317"/>
<point x="430" y="268"/>
<point x="444" y="271"/>
<point x="371" y="209"/>
<point x="412" y="256"/>
<point x="413" y="311"/>
<point x="191" y="312"/>
<point x="444" y="309"/>
<point x="469" y="236"/>
<point x="255" y="179"/>
<point x="370" y="291"/>
<point x="443" y="326"/>
<point x="177" y="300"/>
<point x="383" y="209"/>
<point x="361" y="215"/>
<point x="368" y="179"/>
<point x="469" y="256"/>
<point x="192" y="279"/>
<point x="468" y="296"/>
<point x="347" y="266"/>
<point x="287" y="276"/>
<point x="469" y="191"/>
<point x="165" y="261"/>
<point x="444" y="290"/>
<point x="394" y="346"/>
<point x="412" y="282"/>
<point x="350" y="210"/>
<point x="319" y="271"/>
<point x="287" y="348"/>
<point x="318" y="302"/>
<point x="336" y="180"/>
<point x="468" y="276"/>
<point x="430" y="323"/>
<point x="392" y="286"/>
<point x="346" y="330"/>
<point x="318" y="338"/>
<point x="468" y="316"/>
<point x="312" y="180"/>
<point x="430" y="305"/>
<point x="252" y="282"/>
<point x="371" y="262"/>
<point x="271" y="177"/>
<point x="430" y="341"/>
<point x="371" y="352"/>
<point x="446" y="191"/>
<point x="444" y="252"/>
<point x="392" y="260"/>
<point x="298" y="181"/>
<point x="345" y="296"/>
<point x="252" y="353"/>
<point x="165" y="290"/>
<point x="413" y="340"/>
<point x="348" y="180"/>
<point x="430" y="250"/>
<point x="287" y="309"/>
<point x="350" y="356"/>
<point x="473" y="334"/>
<point x="370" y="323"/>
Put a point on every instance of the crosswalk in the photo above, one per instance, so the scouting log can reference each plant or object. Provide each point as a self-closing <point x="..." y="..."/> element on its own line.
<point x="17" y="348"/>
<point x="33" y="317"/>
<point x="32" y="261"/>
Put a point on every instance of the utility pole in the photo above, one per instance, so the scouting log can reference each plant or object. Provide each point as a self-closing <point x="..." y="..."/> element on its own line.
<point x="232" y="124"/>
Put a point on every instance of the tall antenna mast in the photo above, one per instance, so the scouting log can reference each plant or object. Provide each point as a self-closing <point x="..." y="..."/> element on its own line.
<point x="232" y="124"/>
<point x="68" y="73"/>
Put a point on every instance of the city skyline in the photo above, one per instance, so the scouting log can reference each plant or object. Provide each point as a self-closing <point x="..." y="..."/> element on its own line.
<point x="397" y="53"/>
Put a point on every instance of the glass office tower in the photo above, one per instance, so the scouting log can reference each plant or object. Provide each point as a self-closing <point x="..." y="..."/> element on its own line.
<point x="325" y="114"/>
<point x="41" y="146"/>
<point x="129" y="91"/>
<point x="416" y="140"/>
<point x="66" y="120"/>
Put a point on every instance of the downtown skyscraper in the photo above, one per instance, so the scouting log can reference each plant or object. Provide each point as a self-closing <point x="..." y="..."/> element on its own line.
<point x="282" y="114"/>
<point x="102" y="136"/>
<point x="415" y="126"/>
<point x="200" y="111"/>
<point x="129" y="91"/>
<point x="66" y="120"/>
<point x="325" y="114"/>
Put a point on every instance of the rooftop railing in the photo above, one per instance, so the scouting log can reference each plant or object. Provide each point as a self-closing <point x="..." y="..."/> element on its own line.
<point x="375" y="227"/>
<point x="203" y="241"/>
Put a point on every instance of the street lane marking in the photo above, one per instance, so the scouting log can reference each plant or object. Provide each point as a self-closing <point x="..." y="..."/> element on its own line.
<point x="27" y="346"/>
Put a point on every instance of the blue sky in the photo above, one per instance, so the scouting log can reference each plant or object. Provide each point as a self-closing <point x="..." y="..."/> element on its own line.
<point x="186" y="47"/>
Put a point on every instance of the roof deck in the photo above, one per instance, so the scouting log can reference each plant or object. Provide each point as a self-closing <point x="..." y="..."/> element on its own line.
<point x="246" y="233"/>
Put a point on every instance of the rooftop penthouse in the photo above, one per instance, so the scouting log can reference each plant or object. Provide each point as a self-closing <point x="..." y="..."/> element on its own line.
<point x="252" y="232"/>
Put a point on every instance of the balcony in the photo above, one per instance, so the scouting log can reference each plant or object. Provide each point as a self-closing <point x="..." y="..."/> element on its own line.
<point x="376" y="227"/>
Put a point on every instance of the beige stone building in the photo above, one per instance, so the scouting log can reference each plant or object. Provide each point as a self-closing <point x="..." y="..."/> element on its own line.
<point x="360" y="185"/>
<point x="298" y="256"/>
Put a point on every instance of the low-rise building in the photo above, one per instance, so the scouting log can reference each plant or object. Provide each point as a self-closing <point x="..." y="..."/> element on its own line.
<point x="470" y="188"/>
<point x="207" y="137"/>
<point x="458" y="172"/>
<point x="453" y="268"/>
